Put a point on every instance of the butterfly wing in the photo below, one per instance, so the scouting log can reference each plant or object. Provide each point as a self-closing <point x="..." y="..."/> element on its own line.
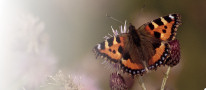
<point x="131" y="67"/>
<point x="159" y="58"/>
<point x="164" y="27"/>
<point x="111" y="48"/>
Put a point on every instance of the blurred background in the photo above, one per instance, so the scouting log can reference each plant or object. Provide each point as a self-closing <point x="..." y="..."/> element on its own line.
<point x="55" y="38"/>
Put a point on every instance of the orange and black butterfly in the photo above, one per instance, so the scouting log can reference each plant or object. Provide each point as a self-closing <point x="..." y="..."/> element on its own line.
<point x="147" y="47"/>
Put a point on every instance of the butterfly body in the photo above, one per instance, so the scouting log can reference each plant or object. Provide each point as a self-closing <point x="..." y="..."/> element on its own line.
<point x="140" y="44"/>
<point x="140" y="49"/>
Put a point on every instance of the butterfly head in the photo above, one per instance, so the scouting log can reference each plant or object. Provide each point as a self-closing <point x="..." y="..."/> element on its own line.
<point x="131" y="28"/>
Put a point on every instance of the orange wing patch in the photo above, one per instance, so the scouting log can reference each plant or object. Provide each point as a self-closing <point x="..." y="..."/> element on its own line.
<point x="165" y="27"/>
<point x="111" y="48"/>
<point x="162" y="53"/>
<point x="130" y="67"/>
<point x="133" y="66"/>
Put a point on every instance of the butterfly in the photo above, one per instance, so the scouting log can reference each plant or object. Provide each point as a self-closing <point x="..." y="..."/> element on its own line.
<point x="137" y="50"/>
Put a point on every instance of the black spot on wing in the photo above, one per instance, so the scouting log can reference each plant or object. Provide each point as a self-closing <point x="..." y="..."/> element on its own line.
<point x="167" y="18"/>
<point x="159" y="22"/>
<point x="114" y="51"/>
<point x="164" y="31"/>
<point x="151" y="26"/>
<point x="157" y="34"/>
<point x="165" y="27"/>
<point x="120" y="49"/>
<point x="156" y="45"/>
<point x="126" y="56"/>
<point x="118" y="40"/>
<point x="110" y="42"/>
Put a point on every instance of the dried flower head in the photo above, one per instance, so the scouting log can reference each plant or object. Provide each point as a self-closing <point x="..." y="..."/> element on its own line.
<point x="175" y="53"/>
<point x="123" y="29"/>
<point x="117" y="82"/>
<point x="61" y="81"/>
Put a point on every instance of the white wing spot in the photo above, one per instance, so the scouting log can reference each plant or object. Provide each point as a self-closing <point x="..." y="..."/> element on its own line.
<point x="172" y="17"/>
<point x="99" y="46"/>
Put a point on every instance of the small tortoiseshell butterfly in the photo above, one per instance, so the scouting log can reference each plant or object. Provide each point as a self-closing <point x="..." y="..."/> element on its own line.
<point x="142" y="49"/>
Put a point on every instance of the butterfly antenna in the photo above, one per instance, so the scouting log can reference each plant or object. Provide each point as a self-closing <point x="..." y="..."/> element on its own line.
<point x="113" y="18"/>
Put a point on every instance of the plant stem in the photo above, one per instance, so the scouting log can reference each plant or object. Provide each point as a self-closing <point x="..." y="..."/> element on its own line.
<point x="141" y="83"/>
<point x="165" y="78"/>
